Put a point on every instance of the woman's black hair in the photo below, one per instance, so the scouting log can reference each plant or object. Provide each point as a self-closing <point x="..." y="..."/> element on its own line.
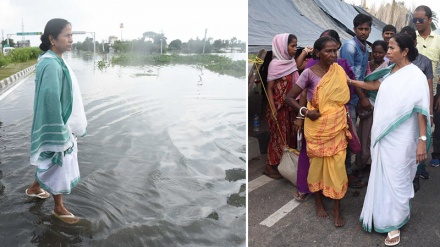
<point x="54" y="28"/>
<point x="332" y="33"/>
<point x="290" y="38"/>
<point x="320" y="44"/>
<point x="380" y="43"/>
<point x="410" y="31"/>
<point x="404" y="41"/>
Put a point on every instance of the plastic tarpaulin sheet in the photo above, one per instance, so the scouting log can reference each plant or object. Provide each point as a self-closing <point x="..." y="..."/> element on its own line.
<point x="307" y="19"/>
<point x="312" y="11"/>
<point x="345" y="13"/>
<point x="269" y="18"/>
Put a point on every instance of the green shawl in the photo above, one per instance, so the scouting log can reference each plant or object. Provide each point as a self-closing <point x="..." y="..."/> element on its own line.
<point x="376" y="75"/>
<point x="50" y="136"/>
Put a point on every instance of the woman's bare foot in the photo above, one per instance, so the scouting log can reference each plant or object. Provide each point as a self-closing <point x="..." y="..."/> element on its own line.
<point x="320" y="210"/>
<point x="299" y="196"/>
<point x="339" y="221"/>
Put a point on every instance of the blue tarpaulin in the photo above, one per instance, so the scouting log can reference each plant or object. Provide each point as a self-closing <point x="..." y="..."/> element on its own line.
<point x="306" y="19"/>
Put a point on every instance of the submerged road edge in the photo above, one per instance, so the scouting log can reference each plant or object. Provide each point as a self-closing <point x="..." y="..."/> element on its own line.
<point x="7" y="83"/>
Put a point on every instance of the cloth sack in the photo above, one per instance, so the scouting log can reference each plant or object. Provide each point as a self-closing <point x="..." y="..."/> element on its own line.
<point x="288" y="166"/>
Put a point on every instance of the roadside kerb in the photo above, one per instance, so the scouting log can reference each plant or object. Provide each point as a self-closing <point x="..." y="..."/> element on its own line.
<point x="10" y="81"/>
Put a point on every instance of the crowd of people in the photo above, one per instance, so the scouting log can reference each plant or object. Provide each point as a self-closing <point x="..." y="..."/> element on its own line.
<point x="387" y="89"/>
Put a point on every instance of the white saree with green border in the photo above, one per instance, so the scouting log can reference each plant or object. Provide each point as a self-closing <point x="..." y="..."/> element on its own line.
<point x="58" y="118"/>
<point x="394" y="137"/>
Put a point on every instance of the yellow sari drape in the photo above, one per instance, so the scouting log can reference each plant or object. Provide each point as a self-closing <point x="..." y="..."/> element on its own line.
<point x="326" y="136"/>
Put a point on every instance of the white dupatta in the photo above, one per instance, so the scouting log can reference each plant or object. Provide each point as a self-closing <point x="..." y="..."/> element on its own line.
<point x="77" y="121"/>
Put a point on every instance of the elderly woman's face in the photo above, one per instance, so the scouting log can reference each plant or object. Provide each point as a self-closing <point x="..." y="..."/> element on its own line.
<point x="394" y="53"/>
<point x="328" y="54"/>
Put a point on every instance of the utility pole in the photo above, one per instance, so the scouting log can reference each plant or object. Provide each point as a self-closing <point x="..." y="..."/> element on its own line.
<point x="204" y="41"/>
<point x="121" y="26"/>
<point x="22" y="30"/>
<point x="161" y="39"/>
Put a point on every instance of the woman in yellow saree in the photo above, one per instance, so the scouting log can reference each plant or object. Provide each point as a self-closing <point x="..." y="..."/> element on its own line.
<point x="325" y="126"/>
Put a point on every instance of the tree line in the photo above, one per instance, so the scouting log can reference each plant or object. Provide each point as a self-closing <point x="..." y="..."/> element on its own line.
<point x="153" y="43"/>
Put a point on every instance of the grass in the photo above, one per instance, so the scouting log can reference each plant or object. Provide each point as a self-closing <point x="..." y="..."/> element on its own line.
<point x="13" y="68"/>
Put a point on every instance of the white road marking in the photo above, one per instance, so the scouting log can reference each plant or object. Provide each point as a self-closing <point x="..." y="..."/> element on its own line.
<point x="280" y="213"/>
<point x="258" y="182"/>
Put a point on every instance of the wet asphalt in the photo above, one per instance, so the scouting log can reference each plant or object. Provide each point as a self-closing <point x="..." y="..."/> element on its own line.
<point x="302" y="227"/>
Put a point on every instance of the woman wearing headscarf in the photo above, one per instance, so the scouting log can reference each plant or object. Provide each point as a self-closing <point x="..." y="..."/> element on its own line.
<point x="282" y="75"/>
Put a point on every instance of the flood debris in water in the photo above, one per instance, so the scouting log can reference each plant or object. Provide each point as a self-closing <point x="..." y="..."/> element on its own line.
<point x="144" y="74"/>
<point x="238" y="199"/>
<point x="235" y="174"/>
<point x="213" y="215"/>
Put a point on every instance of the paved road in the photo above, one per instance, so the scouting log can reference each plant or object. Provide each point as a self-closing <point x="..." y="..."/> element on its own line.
<point x="276" y="219"/>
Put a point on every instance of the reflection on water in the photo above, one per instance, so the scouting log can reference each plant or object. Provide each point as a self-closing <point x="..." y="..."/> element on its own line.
<point x="162" y="165"/>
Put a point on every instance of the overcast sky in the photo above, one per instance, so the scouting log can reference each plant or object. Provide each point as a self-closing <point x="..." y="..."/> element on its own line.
<point x="177" y="19"/>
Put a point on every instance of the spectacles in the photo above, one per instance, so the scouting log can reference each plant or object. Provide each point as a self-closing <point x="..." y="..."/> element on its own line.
<point x="420" y="20"/>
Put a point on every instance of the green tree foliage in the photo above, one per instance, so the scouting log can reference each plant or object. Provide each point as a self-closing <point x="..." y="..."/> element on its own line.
<point x="121" y="46"/>
<point x="175" y="45"/>
<point x="150" y="35"/>
<point x="86" y="45"/>
<point x="151" y="42"/>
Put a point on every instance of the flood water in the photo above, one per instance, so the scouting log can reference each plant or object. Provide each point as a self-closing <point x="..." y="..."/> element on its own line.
<point x="163" y="163"/>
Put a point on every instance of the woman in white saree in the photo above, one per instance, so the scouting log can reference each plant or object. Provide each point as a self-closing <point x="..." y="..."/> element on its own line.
<point x="58" y="119"/>
<point x="400" y="138"/>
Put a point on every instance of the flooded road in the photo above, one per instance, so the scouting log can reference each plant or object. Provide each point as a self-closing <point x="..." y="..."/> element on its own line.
<point x="163" y="163"/>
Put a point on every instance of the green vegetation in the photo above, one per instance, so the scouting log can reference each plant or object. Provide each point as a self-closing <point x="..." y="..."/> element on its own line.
<point x="215" y="63"/>
<point x="17" y="60"/>
<point x="13" y="68"/>
<point x="252" y="56"/>
<point x="154" y="43"/>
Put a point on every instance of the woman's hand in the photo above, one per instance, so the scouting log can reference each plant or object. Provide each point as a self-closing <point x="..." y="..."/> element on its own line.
<point x="421" y="152"/>
<point x="308" y="49"/>
<point x="313" y="114"/>
<point x="365" y="103"/>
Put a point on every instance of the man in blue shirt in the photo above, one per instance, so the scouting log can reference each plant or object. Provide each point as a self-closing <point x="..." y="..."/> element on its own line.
<point x="355" y="51"/>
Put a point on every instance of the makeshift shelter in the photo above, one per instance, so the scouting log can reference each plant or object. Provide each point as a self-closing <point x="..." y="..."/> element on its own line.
<point x="307" y="19"/>
<point x="269" y="18"/>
